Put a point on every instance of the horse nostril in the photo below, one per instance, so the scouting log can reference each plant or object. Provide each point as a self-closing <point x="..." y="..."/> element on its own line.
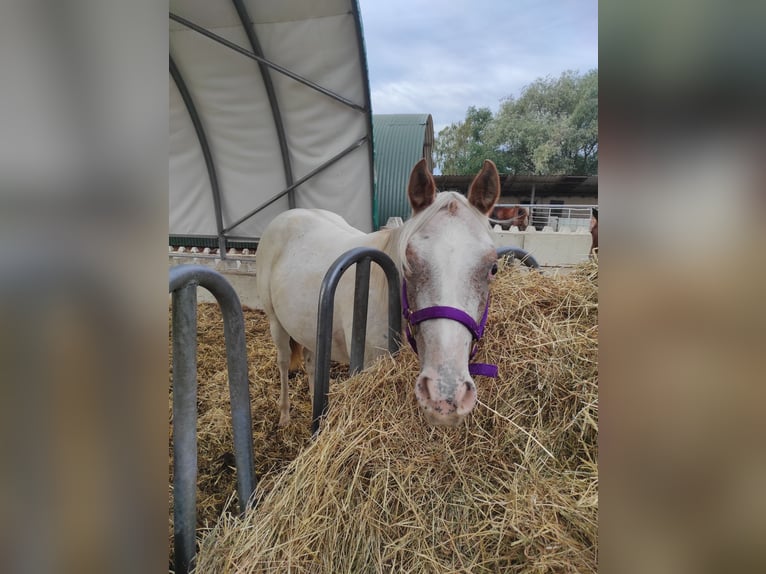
<point x="423" y="388"/>
<point x="466" y="397"/>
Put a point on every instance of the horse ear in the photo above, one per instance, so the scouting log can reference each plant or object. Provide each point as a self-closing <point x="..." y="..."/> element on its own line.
<point x="485" y="188"/>
<point x="422" y="188"/>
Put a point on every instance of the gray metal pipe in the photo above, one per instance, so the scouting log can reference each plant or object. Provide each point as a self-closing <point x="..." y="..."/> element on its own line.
<point x="367" y="103"/>
<point x="184" y="425"/>
<point x="338" y="156"/>
<point x="325" y="312"/>
<point x="521" y="254"/>
<point x="207" y="154"/>
<point x="268" y="84"/>
<point x="282" y="70"/>
<point x="359" y="325"/>
<point x="184" y="280"/>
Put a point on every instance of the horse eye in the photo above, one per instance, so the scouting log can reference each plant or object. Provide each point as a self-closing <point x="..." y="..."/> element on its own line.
<point x="493" y="271"/>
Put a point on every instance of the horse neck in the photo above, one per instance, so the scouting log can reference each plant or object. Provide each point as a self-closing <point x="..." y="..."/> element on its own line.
<point x="387" y="241"/>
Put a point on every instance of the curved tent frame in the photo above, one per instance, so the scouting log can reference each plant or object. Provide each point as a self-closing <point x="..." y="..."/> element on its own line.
<point x="269" y="110"/>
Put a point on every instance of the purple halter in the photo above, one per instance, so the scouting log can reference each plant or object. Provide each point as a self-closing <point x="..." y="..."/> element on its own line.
<point x="412" y="318"/>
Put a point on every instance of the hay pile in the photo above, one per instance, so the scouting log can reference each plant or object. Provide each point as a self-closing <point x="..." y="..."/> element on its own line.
<point x="513" y="490"/>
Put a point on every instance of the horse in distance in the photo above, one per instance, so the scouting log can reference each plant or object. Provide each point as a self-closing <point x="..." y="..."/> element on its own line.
<point x="506" y="217"/>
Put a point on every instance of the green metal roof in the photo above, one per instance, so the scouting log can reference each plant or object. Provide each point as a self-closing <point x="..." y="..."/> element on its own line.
<point x="401" y="140"/>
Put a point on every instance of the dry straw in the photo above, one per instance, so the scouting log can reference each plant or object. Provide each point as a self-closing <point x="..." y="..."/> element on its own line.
<point x="513" y="489"/>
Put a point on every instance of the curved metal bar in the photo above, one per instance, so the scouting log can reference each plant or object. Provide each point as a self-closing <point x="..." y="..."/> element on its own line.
<point x="249" y="26"/>
<point x="361" y="305"/>
<point x="521" y="254"/>
<point x="206" y="153"/>
<point x="184" y="424"/>
<point x="325" y="320"/>
<point x="231" y="45"/>
<point x="184" y="280"/>
<point x="368" y="111"/>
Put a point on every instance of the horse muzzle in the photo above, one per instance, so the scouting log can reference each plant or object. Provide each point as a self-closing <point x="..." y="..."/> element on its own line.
<point x="444" y="401"/>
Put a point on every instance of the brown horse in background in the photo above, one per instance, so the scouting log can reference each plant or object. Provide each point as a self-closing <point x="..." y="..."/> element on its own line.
<point x="506" y="217"/>
<point x="594" y="229"/>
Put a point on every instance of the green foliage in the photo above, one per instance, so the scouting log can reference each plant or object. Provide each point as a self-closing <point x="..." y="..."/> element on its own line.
<point x="461" y="147"/>
<point x="552" y="128"/>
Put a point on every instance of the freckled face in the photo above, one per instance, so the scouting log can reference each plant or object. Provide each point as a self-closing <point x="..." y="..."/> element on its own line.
<point x="453" y="270"/>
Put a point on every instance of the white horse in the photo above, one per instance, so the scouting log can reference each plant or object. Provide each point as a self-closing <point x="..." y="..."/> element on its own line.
<point x="446" y="254"/>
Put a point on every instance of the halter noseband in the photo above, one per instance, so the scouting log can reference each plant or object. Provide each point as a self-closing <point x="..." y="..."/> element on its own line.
<point x="412" y="318"/>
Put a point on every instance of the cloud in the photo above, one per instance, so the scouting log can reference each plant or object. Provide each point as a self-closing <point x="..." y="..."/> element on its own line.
<point x="440" y="58"/>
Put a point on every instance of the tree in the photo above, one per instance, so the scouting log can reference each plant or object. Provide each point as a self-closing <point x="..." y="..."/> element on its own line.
<point x="461" y="148"/>
<point x="551" y="128"/>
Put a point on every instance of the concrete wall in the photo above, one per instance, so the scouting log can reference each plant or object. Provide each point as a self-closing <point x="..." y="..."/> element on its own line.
<point x="550" y="248"/>
<point x="239" y="270"/>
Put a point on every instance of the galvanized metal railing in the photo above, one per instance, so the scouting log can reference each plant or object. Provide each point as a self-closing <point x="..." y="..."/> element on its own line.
<point x="361" y="256"/>
<point x="556" y="215"/>
<point x="184" y="280"/>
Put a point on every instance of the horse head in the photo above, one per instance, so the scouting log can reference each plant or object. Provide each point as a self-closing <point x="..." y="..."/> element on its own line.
<point x="510" y="216"/>
<point x="448" y="261"/>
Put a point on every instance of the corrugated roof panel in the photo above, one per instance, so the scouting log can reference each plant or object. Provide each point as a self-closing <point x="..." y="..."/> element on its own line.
<point x="400" y="141"/>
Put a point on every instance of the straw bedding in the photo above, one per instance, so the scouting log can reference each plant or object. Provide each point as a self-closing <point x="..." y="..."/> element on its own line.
<point x="513" y="489"/>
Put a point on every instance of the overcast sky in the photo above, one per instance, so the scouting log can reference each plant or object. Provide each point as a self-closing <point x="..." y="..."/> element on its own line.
<point x="440" y="57"/>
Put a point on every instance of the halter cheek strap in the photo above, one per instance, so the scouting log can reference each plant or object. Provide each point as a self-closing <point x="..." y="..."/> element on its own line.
<point x="412" y="318"/>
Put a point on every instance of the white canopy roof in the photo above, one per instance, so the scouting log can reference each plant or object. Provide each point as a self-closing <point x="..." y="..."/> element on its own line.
<point x="269" y="109"/>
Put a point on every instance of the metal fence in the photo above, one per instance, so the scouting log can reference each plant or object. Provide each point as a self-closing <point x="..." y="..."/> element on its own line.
<point x="557" y="216"/>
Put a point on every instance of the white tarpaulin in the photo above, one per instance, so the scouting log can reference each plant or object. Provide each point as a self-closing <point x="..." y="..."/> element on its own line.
<point x="262" y="139"/>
